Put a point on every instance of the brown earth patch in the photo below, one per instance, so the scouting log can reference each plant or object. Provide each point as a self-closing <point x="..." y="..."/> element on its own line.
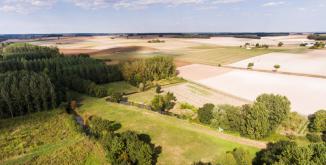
<point x="124" y="49"/>
<point x="77" y="51"/>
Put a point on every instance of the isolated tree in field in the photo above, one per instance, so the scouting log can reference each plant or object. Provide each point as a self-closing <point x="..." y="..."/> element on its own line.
<point x="250" y="65"/>
<point x="116" y="97"/>
<point x="317" y="121"/>
<point x="280" y="44"/>
<point x="163" y="102"/>
<point x="205" y="113"/>
<point x="277" y="67"/>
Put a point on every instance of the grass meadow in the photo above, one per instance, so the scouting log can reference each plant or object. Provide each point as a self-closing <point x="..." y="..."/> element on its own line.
<point x="182" y="142"/>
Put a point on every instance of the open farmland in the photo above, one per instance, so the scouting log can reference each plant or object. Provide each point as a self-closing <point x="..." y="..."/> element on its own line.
<point x="306" y="94"/>
<point x="214" y="51"/>
<point x="274" y="40"/>
<point x="313" y="62"/>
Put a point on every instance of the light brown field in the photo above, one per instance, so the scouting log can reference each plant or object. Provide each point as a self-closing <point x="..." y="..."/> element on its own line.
<point x="312" y="63"/>
<point x="306" y="94"/>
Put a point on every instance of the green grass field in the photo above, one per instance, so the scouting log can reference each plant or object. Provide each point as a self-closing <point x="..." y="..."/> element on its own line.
<point x="121" y="86"/>
<point x="182" y="142"/>
<point x="46" y="138"/>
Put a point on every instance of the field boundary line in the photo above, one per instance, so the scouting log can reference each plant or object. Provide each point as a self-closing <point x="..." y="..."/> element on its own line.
<point x="277" y="72"/>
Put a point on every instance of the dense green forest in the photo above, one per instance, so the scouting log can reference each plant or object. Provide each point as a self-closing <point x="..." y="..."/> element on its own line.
<point x="35" y="78"/>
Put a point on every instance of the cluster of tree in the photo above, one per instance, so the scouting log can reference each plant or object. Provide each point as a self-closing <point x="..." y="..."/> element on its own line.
<point x="144" y="70"/>
<point x="23" y="92"/>
<point x="122" y="148"/>
<point x="288" y="152"/>
<point x="163" y="102"/>
<point x="318" y="45"/>
<point x="317" y="37"/>
<point x="79" y="73"/>
<point x="85" y="86"/>
<point x="255" y="121"/>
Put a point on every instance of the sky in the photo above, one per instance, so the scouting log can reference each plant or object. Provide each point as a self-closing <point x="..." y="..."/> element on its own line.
<point x="144" y="16"/>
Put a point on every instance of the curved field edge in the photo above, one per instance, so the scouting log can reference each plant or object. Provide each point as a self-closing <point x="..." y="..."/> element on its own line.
<point x="181" y="141"/>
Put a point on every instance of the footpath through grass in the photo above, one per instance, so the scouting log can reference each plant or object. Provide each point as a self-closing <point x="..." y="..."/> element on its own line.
<point x="182" y="142"/>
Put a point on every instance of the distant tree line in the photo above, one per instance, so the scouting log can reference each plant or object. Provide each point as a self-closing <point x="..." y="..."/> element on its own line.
<point x="47" y="76"/>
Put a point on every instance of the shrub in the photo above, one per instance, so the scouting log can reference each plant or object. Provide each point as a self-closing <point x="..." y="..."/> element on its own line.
<point x="277" y="66"/>
<point x="158" y="89"/>
<point x="313" y="137"/>
<point x="205" y="113"/>
<point x="188" y="106"/>
<point x="250" y="65"/>
<point x="280" y="44"/>
<point x="99" y="127"/>
<point x="116" y="97"/>
<point x="241" y="156"/>
<point x="162" y="103"/>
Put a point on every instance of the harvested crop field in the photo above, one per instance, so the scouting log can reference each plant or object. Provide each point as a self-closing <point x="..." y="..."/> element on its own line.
<point x="313" y="62"/>
<point x="306" y="94"/>
<point x="232" y="41"/>
<point x="198" y="95"/>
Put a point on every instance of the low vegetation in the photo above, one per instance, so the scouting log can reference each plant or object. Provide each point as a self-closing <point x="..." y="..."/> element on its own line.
<point x="45" y="138"/>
